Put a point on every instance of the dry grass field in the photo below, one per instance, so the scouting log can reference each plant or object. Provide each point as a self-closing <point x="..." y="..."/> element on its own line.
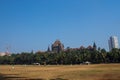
<point x="60" y="72"/>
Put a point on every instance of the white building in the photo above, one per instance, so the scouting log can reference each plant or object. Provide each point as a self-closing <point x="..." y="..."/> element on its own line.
<point x="4" y="54"/>
<point x="113" y="42"/>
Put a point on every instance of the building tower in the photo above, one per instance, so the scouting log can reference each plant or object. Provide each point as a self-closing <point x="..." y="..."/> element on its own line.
<point x="48" y="50"/>
<point x="57" y="47"/>
<point x="94" y="46"/>
<point x="113" y="42"/>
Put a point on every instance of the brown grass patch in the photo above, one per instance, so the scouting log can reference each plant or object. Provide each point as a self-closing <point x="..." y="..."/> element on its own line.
<point x="61" y="72"/>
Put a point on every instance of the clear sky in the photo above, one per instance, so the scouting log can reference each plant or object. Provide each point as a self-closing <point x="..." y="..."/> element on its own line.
<point x="27" y="25"/>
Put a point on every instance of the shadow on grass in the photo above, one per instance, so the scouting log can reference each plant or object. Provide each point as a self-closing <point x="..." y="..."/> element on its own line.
<point x="10" y="77"/>
<point x="1" y="77"/>
<point x="58" y="79"/>
<point x="111" y="77"/>
<point x="15" y="77"/>
<point x="34" y="79"/>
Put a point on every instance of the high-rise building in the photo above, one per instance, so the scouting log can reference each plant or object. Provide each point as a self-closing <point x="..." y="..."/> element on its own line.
<point x="113" y="42"/>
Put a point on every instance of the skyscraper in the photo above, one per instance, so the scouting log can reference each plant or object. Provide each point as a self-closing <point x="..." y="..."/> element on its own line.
<point x="113" y="42"/>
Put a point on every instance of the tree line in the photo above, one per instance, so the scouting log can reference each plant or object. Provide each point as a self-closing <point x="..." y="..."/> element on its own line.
<point x="66" y="57"/>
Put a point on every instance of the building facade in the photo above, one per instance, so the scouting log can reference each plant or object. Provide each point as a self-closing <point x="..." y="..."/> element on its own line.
<point x="57" y="47"/>
<point x="4" y="54"/>
<point x="113" y="42"/>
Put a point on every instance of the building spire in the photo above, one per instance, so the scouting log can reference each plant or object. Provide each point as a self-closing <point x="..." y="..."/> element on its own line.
<point x="48" y="50"/>
<point x="94" y="46"/>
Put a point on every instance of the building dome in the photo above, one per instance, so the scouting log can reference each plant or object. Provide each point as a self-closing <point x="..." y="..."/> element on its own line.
<point x="57" y="46"/>
<point x="56" y="43"/>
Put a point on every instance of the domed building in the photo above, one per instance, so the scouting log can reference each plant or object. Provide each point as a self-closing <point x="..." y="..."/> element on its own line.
<point x="57" y="47"/>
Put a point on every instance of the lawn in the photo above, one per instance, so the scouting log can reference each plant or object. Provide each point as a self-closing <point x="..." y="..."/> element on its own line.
<point x="60" y="72"/>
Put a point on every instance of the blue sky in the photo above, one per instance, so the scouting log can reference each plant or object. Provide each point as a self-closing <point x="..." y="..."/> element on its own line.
<point x="27" y="25"/>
